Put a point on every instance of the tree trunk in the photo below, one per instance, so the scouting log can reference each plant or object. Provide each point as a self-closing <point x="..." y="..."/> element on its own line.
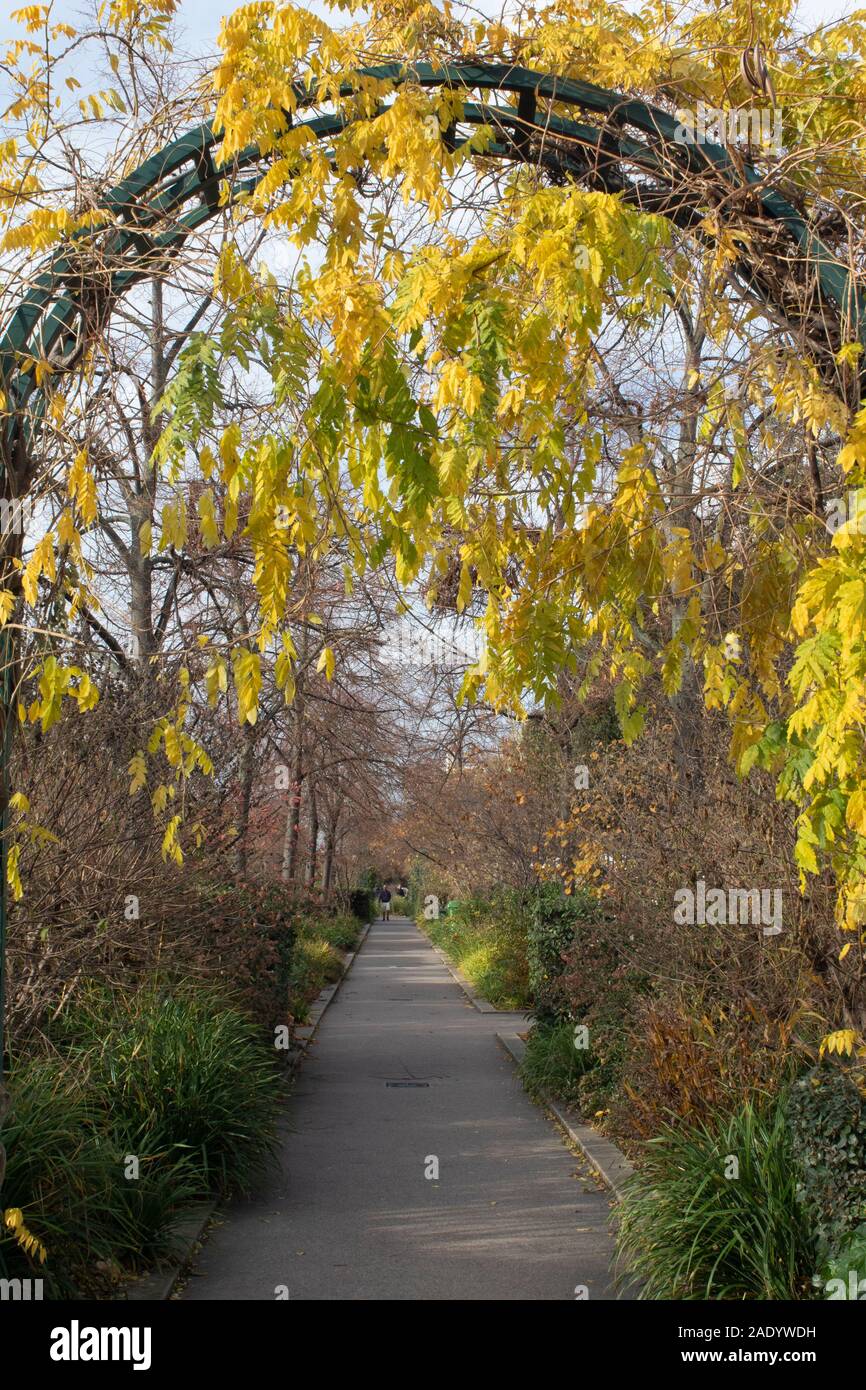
<point x="331" y="823"/>
<point x="141" y="505"/>
<point x="688" y="710"/>
<point x="291" y="839"/>
<point x="687" y="704"/>
<point x="312" y="862"/>
<point x="246" y="779"/>
<point x="329" y="864"/>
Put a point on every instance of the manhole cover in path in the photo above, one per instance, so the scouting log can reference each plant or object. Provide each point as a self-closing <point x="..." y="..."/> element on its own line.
<point x="407" y="1083"/>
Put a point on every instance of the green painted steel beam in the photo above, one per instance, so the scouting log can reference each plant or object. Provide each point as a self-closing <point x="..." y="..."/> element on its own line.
<point x="143" y="199"/>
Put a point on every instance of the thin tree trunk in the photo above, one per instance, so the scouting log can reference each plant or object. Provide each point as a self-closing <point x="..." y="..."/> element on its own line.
<point x="312" y="862"/>
<point x="333" y="820"/>
<point x="291" y="838"/>
<point x="687" y="707"/>
<point x="688" y="704"/>
<point x="247" y="769"/>
<point x="329" y="864"/>
<point x="140" y="506"/>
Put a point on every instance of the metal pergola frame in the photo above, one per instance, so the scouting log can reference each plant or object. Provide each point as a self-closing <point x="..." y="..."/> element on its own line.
<point x="634" y="152"/>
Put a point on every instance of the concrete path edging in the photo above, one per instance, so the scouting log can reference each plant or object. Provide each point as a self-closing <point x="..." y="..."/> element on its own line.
<point x="604" y="1156"/>
<point x="159" y="1283"/>
<point x="307" y="1032"/>
<point x="483" y="1005"/>
<point x="608" y="1161"/>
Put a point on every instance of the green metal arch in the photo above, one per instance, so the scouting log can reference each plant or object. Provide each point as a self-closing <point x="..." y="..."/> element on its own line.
<point x="182" y="182"/>
<point x="634" y="151"/>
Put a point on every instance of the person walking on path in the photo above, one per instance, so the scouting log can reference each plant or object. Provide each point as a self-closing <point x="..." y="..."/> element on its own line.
<point x="385" y="903"/>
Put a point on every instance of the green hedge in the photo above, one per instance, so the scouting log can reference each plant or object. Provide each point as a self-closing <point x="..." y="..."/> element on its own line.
<point x="553" y="1065"/>
<point x="550" y="932"/>
<point x="827" y="1112"/>
<point x="843" y="1275"/>
<point x="361" y="904"/>
<point x="486" y="938"/>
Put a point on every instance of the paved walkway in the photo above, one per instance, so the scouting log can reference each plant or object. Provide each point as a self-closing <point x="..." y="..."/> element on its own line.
<point x="513" y="1214"/>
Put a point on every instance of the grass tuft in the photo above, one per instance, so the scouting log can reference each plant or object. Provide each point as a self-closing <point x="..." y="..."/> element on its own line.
<point x="691" y="1230"/>
<point x="552" y="1066"/>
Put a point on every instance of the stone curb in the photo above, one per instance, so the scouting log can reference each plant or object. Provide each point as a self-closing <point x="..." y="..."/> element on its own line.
<point x="605" y="1157"/>
<point x="306" y="1034"/>
<point x="158" y="1285"/>
<point x="477" y="1000"/>
<point x="608" y="1161"/>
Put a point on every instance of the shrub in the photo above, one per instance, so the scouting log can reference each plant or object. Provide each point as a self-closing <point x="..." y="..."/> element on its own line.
<point x="55" y="1173"/>
<point x="827" y="1112"/>
<point x="487" y="939"/>
<point x="632" y="830"/>
<point x="314" y="964"/>
<point x="843" y="1275"/>
<point x="145" y="1211"/>
<point x="688" y="1231"/>
<point x="341" y="930"/>
<point x="689" y="1058"/>
<point x="186" y="1078"/>
<point x="553" y="1066"/>
<point x="249" y="941"/>
<point x="181" y="1081"/>
<point x="609" y="1023"/>
<point x="361" y="904"/>
<point x="550" y="933"/>
<point x="65" y="1172"/>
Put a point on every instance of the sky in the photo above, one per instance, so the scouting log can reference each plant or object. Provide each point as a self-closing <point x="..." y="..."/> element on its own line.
<point x="201" y="18"/>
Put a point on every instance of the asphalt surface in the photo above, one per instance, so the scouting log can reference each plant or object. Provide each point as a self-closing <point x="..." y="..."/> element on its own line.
<point x="352" y="1214"/>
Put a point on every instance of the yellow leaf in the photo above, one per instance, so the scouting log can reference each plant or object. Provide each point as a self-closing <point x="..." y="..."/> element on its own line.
<point x="170" y="845"/>
<point x="172" y="746"/>
<point x="207" y="520"/>
<point x="855" y="814"/>
<point x="216" y="680"/>
<point x="248" y="679"/>
<point x="13" y="877"/>
<point x="138" y="773"/>
<point x="326" y="662"/>
<point x="842" y="1041"/>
